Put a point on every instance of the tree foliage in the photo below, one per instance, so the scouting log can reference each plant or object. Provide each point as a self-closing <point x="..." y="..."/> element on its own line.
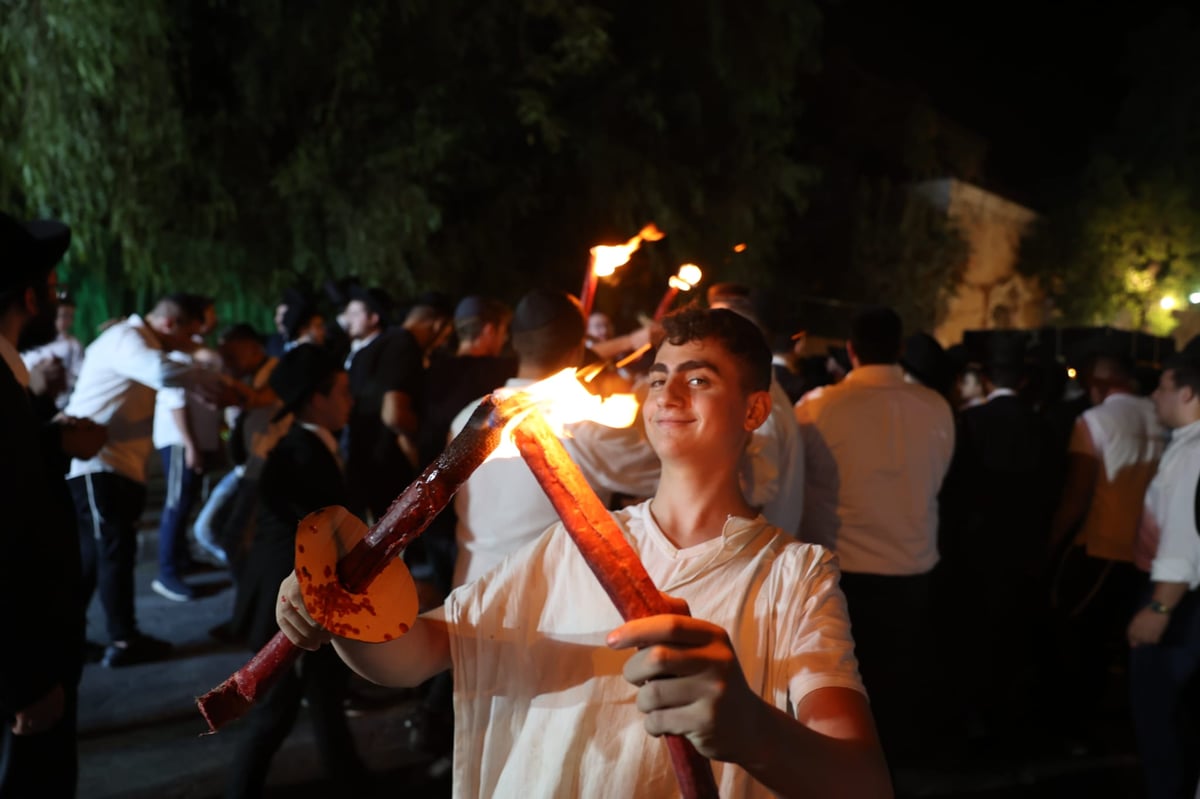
<point x="905" y="253"/>
<point x="1126" y="241"/>
<point x="238" y="147"/>
<point x="1126" y="234"/>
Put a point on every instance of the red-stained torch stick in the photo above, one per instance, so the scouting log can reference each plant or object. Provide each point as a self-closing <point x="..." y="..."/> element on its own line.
<point x="611" y="559"/>
<point x="405" y="519"/>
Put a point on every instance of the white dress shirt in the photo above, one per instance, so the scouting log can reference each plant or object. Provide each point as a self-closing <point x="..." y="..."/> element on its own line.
<point x="1124" y="435"/>
<point x="1171" y="508"/>
<point x="876" y="451"/>
<point x="122" y="370"/>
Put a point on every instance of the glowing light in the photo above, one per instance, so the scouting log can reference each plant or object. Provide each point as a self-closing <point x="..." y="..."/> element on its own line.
<point x="1071" y="373"/>
<point x="739" y="247"/>
<point x="563" y="400"/>
<point x="1194" y="297"/>
<point x="606" y="258"/>
<point x="1167" y="303"/>
<point x="687" y="277"/>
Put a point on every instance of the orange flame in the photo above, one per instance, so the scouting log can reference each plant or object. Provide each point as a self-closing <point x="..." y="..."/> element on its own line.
<point x="686" y="279"/>
<point x="563" y="400"/>
<point x="606" y="258"/>
<point x="739" y="248"/>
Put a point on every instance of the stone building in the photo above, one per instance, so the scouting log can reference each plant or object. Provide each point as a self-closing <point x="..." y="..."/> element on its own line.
<point x="991" y="295"/>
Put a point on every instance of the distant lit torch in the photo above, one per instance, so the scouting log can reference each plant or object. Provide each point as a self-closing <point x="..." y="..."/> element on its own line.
<point x="606" y="258"/>
<point x="685" y="280"/>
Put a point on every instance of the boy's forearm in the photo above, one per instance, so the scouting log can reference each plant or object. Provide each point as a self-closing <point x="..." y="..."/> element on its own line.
<point x="405" y="662"/>
<point x="795" y="761"/>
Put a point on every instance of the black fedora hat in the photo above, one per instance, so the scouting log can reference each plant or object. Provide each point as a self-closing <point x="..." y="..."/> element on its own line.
<point x="28" y="251"/>
<point x="299" y="373"/>
<point x="925" y="359"/>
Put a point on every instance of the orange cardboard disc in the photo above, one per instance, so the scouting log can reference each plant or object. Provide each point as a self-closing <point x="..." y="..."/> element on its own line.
<point x="386" y="610"/>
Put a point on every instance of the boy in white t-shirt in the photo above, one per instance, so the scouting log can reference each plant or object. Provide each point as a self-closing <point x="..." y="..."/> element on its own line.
<point x="554" y="696"/>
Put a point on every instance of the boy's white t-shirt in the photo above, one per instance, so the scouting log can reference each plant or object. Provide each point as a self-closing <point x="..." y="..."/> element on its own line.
<point x="541" y="708"/>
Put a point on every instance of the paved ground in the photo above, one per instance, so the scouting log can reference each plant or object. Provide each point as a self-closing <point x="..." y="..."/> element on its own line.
<point x="141" y="735"/>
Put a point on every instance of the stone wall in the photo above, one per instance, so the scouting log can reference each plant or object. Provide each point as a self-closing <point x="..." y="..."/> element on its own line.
<point x="991" y="295"/>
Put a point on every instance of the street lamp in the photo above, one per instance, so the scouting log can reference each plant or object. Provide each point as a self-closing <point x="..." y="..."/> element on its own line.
<point x="1194" y="298"/>
<point x="1167" y="303"/>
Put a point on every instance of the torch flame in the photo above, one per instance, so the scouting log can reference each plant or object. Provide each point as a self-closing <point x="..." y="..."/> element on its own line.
<point x="686" y="279"/>
<point x="606" y="258"/>
<point x="563" y="400"/>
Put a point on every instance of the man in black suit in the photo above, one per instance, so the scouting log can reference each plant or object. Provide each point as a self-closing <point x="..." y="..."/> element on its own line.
<point x="994" y="524"/>
<point x="386" y="366"/>
<point x="39" y="552"/>
<point x="303" y="473"/>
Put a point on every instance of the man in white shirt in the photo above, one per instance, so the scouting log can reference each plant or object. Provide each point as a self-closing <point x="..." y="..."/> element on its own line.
<point x="876" y="451"/>
<point x="1164" y="635"/>
<point x="1113" y="453"/>
<point x="65" y="348"/>
<point x="551" y="700"/>
<point x="501" y="507"/>
<point x="122" y="370"/>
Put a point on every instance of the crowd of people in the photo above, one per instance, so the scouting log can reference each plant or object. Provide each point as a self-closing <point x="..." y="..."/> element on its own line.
<point x="889" y="551"/>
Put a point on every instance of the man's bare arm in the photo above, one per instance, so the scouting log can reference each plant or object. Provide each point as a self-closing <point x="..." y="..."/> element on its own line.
<point x="1082" y="473"/>
<point x="403" y="662"/>
<point x="689" y="682"/>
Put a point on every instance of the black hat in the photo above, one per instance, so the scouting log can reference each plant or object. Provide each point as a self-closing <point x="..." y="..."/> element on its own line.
<point x="294" y="295"/>
<point x="338" y="291"/>
<point x="28" y="251"/>
<point x="924" y="359"/>
<point x="1006" y="350"/>
<point x="377" y="301"/>
<point x="299" y="374"/>
<point x="542" y="308"/>
<point x="240" y="331"/>
<point x="1187" y="358"/>
<point x="297" y="316"/>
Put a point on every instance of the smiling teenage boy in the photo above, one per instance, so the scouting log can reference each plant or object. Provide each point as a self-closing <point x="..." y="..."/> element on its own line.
<point x="554" y="695"/>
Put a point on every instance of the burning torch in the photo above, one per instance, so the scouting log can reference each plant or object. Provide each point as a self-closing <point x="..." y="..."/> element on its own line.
<point x="684" y="280"/>
<point x="606" y="259"/>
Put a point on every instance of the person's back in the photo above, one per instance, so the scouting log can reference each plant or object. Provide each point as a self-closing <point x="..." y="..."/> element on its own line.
<point x="876" y="452"/>
<point x="1124" y="435"/>
<point x="877" y="449"/>
<point x="107" y="394"/>
<point x="302" y="474"/>
<point x="501" y="507"/>
<point x="476" y="368"/>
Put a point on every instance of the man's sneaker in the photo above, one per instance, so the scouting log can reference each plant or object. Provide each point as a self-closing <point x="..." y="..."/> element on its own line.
<point x="173" y="589"/>
<point x="138" y="649"/>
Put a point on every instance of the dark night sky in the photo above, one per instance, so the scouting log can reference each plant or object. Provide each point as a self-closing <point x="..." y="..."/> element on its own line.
<point x="1041" y="81"/>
